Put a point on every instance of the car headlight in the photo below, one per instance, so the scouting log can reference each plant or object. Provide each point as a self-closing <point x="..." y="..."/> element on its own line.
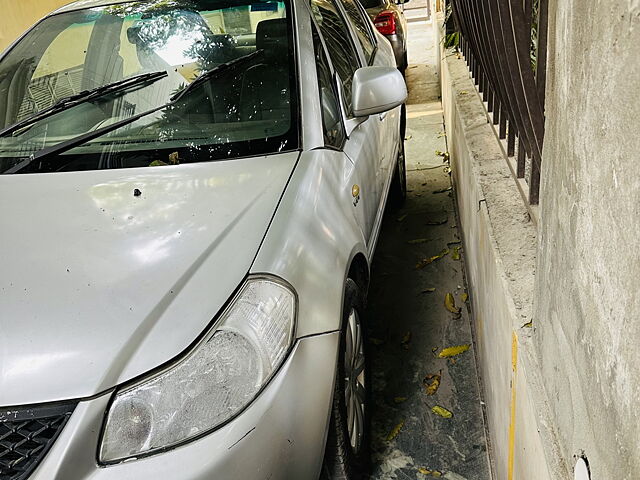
<point x="212" y="383"/>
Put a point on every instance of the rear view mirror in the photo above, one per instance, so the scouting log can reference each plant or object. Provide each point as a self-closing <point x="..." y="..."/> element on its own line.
<point x="377" y="90"/>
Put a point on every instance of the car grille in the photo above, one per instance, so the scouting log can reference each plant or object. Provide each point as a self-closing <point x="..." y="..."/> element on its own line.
<point x="26" y="434"/>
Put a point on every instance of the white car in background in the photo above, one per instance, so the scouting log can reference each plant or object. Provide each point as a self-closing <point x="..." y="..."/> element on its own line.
<point x="192" y="191"/>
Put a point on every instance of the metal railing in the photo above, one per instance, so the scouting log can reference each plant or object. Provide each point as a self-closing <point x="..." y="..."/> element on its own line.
<point x="505" y="45"/>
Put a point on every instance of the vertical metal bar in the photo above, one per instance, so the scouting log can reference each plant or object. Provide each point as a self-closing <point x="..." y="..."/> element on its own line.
<point x="541" y="84"/>
<point x="522" y="159"/>
<point x="490" y="97"/>
<point x="534" y="183"/>
<point x="503" y="122"/>
<point x="511" y="139"/>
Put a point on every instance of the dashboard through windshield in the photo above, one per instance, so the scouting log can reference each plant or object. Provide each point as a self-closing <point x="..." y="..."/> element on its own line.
<point x="243" y="105"/>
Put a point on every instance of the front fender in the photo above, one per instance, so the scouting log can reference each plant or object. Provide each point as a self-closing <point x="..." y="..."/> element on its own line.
<point x="314" y="236"/>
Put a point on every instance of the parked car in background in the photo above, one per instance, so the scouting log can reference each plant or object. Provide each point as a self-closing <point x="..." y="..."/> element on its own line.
<point x="388" y="17"/>
<point x="192" y="192"/>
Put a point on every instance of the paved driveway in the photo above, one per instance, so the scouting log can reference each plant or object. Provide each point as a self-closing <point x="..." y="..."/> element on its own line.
<point x="411" y="325"/>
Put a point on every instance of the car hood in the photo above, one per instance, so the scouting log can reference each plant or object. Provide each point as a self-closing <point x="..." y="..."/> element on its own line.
<point x="108" y="274"/>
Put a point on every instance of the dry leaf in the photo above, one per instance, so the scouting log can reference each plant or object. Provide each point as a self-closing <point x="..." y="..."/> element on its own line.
<point x="432" y="383"/>
<point x="442" y="412"/>
<point x="395" y="432"/>
<point x="450" y="303"/>
<point x="399" y="399"/>
<point x="528" y="324"/>
<point x="464" y="297"/>
<point x="437" y="222"/>
<point x="418" y="240"/>
<point x="426" y="471"/>
<point x="426" y="261"/>
<point x="456" y="253"/>
<point x="406" y="340"/>
<point x="453" y="351"/>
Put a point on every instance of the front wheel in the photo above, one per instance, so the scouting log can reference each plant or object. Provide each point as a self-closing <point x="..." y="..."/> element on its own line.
<point x="398" y="189"/>
<point x="347" y="452"/>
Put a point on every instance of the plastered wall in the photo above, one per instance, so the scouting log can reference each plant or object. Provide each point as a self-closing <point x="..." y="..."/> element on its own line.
<point x="18" y="15"/>
<point x="586" y="304"/>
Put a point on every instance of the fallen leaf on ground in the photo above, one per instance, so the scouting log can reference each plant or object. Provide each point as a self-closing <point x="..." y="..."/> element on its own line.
<point x="402" y="217"/>
<point x="442" y="190"/>
<point x="442" y="412"/>
<point x="456" y="242"/>
<point x="376" y="341"/>
<point x="456" y="253"/>
<point x="408" y="137"/>
<point x="399" y="399"/>
<point x="442" y="134"/>
<point x="437" y="222"/>
<point x="528" y="324"/>
<point x="463" y="92"/>
<point x="395" y="432"/>
<point x="428" y="290"/>
<point x="464" y="297"/>
<point x="418" y="240"/>
<point x="453" y="351"/>
<point x="426" y="261"/>
<point x="406" y="340"/>
<point x="434" y="349"/>
<point x="450" y="303"/>
<point x="426" y="471"/>
<point x="432" y="382"/>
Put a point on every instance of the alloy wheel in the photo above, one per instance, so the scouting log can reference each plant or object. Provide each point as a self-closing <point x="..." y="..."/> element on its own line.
<point x="355" y="392"/>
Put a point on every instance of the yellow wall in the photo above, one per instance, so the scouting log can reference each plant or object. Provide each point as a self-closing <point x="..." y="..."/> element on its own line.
<point x="18" y="15"/>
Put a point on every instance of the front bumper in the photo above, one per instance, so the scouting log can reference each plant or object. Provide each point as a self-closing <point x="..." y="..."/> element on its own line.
<point x="280" y="436"/>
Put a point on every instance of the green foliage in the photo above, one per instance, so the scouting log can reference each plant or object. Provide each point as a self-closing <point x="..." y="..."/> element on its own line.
<point x="452" y="40"/>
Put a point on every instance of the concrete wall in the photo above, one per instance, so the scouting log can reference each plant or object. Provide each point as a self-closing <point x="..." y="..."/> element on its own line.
<point x="587" y="309"/>
<point x="566" y="385"/>
<point x="19" y="15"/>
<point x="499" y="244"/>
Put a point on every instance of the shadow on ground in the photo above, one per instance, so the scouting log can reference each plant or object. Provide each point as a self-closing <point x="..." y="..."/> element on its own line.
<point x="410" y="325"/>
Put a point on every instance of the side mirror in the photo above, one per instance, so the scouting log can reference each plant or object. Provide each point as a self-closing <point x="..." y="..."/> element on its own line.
<point x="377" y="90"/>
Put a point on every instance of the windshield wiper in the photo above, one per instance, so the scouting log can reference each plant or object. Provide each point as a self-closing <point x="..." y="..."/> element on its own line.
<point x="82" y="97"/>
<point x="203" y="77"/>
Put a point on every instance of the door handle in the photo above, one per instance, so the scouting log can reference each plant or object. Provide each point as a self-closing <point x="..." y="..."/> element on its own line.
<point x="383" y="115"/>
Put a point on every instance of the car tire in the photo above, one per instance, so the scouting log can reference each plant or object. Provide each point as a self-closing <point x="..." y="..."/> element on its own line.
<point x="398" y="189"/>
<point x="347" y="452"/>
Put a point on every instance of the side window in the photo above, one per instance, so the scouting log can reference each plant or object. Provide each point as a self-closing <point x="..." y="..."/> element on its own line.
<point x="343" y="53"/>
<point x="363" y="29"/>
<point x="331" y="119"/>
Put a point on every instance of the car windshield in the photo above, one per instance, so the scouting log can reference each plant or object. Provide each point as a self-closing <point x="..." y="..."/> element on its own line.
<point x="245" y="106"/>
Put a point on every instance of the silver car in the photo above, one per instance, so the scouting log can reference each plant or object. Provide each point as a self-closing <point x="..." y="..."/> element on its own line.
<point x="192" y="191"/>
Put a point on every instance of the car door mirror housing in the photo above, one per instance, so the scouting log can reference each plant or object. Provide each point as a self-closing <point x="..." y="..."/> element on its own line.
<point x="377" y="90"/>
